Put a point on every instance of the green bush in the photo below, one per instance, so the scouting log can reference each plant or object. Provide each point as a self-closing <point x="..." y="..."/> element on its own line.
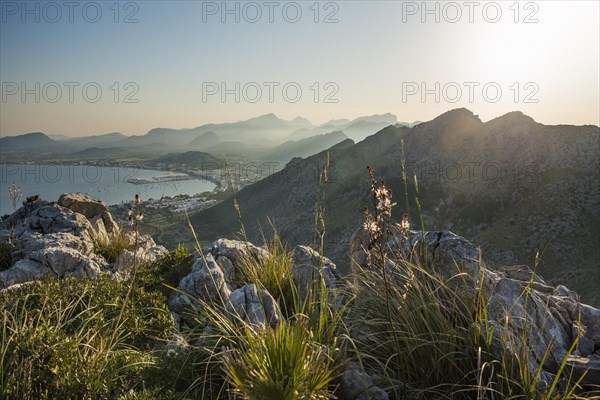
<point x="166" y="271"/>
<point x="64" y="339"/>
<point x="194" y="373"/>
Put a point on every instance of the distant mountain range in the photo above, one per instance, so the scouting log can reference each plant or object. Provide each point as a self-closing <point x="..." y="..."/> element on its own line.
<point x="266" y="136"/>
<point x="357" y="129"/>
<point x="512" y="185"/>
<point x="304" y="147"/>
<point x="26" y="142"/>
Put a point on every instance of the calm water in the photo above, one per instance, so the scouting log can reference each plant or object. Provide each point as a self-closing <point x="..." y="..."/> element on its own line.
<point x="108" y="184"/>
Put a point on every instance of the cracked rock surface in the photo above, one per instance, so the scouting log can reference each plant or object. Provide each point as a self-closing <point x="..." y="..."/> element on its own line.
<point x="55" y="239"/>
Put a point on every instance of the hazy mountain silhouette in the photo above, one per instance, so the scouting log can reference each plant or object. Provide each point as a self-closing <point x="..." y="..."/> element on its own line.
<point x="107" y="140"/>
<point x="34" y="140"/>
<point x="304" y="147"/>
<point x="357" y="129"/>
<point x="261" y="134"/>
<point x="205" y="140"/>
<point x="97" y="153"/>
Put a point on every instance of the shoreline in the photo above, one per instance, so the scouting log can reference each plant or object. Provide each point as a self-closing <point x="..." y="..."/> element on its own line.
<point x="24" y="171"/>
<point x="142" y="166"/>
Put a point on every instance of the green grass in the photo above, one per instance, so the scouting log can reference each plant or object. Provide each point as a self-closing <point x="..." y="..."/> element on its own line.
<point x="64" y="339"/>
<point x="419" y="335"/>
<point x="56" y="338"/>
<point x="166" y="272"/>
<point x="274" y="274"/>
<point x="421" y="338"/>
<point x="110" y="246"/>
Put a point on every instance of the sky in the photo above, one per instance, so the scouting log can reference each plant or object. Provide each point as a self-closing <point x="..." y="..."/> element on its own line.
<point x="83" y="68"/>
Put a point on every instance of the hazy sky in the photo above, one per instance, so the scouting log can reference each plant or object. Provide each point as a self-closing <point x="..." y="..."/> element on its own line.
<point x="81" y="68"/>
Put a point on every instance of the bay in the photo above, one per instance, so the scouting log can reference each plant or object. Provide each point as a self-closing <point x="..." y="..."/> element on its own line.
<point x="109" y="184"/>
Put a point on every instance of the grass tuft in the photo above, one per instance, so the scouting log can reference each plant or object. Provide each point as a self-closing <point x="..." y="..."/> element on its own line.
<point x="111" y="246"/>
<point x="280" y="364"/>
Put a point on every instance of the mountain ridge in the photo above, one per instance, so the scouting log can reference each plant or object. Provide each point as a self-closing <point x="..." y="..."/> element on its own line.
<point x="509" y="183"/>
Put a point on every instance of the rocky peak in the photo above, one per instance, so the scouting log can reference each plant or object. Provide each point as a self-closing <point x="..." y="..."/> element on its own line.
<point x="457" y="120"/>
<point x="95" y="211"/>
<point x="511" y="120"/>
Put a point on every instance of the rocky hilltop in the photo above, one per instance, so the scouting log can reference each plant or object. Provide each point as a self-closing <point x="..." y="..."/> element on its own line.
<point x="61" y="239"/>
<point x="523" y="312"/>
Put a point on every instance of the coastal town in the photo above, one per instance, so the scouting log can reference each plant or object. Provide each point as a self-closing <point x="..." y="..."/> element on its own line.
<point x="157" y="209"/>
<point x="240" y="174"/>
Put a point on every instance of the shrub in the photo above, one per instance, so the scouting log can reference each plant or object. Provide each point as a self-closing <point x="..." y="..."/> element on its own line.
<point x="417" y="332"/>
<point x="166" y="271"/>
<point x="193" y="373"/>
<point x="426" y="337"/>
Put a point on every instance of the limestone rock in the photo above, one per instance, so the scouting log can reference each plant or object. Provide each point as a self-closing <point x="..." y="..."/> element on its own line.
<point x="146" y="252"/>
<point x="205" y="282"/>
<point x="237" y="252"/>
<point x="64" y="261"/>
<point x="57" y="239"/>
<point x="91" y="208"/>
<point x="228" y="269"/>
<point x="32" y="241"/>
<point x="23" y="271"/>
<point x="255" y="307"/>
<point x="309" y="267"/>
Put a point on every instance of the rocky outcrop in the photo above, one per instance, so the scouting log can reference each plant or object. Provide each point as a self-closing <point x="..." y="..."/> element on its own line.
<point x="95" y="211"/>
<point x="145" y="252"/>
<point x="522" y="309"/>
<point x="57" y="239"/>
<point x="205" y="283"/>
<point x="232" y="254"/>
<point x="216" y="278"/>
<point x="559" y="327"/>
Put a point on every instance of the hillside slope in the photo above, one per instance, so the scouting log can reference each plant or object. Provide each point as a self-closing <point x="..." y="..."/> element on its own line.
<point x="511" y="185"/>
